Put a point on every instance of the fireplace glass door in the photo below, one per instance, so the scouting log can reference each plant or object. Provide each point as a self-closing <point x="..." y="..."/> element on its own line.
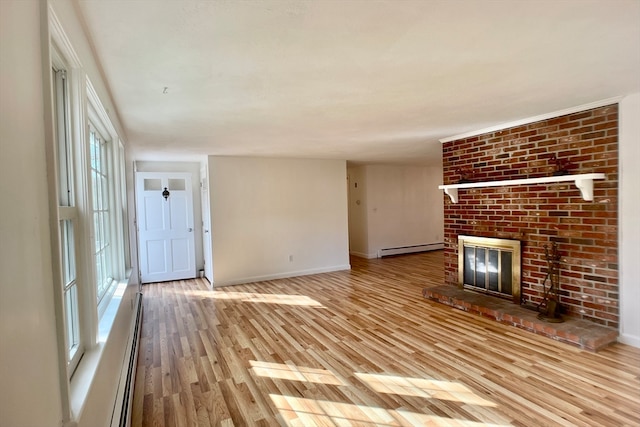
<point x="488" y="269"/>
<point x="490" y="265"/>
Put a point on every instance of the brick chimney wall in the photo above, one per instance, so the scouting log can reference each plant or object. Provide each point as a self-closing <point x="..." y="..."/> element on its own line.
<point x="586" y="232"/>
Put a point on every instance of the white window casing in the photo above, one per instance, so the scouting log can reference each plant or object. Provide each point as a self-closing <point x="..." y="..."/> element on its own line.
<point x="82" y="323"/>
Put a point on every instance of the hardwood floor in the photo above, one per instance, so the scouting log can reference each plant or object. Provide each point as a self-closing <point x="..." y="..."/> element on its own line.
<point x="363" y="347"/>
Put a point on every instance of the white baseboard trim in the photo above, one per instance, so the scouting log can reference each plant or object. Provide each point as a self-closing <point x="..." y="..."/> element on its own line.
<point x="122" y="416"/>
<point x="282" y="275"/>
<point x="363" y="255"/>
<point x="631" y="340"/>
<point x="426" y="247"/>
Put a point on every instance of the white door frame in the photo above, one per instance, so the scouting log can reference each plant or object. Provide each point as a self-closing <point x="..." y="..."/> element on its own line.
<point x="206" y="224"/>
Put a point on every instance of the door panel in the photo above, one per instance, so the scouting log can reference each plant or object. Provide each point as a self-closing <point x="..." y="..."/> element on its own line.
<point x="153" y="214"/>
<point x="165" y="228"/>
<point x="156" y="256"/>
<point x="179" y="213"/>
<point x="180" y="254"/>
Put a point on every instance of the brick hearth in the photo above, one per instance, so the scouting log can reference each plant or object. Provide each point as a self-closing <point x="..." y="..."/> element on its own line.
<point x="581" y="333"/>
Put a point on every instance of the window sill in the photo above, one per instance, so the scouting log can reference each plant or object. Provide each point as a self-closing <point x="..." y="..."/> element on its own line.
<point x="85" y="373"/>
<point x="109" y="314"/>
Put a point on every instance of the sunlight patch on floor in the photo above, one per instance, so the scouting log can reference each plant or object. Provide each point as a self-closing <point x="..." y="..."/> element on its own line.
<point x="417" y="419"/>
<point x="299" y="411"/>
<point x="294" y="373"/>
<point x="283" y="299"/>
<point x="310" y="412"/>
<point x="303" y="411"/>
<point x="422" y="387"/>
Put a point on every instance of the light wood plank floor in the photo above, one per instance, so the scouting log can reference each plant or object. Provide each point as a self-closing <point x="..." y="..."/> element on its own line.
<point x="363" y="348"/>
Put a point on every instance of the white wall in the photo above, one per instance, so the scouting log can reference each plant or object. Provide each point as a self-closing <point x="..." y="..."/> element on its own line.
<point x="629" y="231"/>
<point x="30" y="389"/>
<point x="401" y="206"/>
<point x="66" y="13"/>
<point x="264" y="211"/>
<point x="194" y="169"/>
<point x="405" y="206"/>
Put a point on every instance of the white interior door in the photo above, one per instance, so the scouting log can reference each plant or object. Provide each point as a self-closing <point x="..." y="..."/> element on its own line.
<point x="165" y="226"/>
<point x="206" y="225"/>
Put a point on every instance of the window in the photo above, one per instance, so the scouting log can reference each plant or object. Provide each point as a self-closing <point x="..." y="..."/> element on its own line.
<point x="91" y="210"/>
<point x="67" y="218"/>
<point x="88" y="213"/>
<point x="101" y="190"/>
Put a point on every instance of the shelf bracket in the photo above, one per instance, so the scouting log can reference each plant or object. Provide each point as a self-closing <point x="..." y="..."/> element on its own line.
<point x="452" y="193"/>
<point x="586" y="188"/>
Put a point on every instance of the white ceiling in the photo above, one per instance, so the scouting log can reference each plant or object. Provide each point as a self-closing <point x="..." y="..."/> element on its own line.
<point x="365" y="81"/>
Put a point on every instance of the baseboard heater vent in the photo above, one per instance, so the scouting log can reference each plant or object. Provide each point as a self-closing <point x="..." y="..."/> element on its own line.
<point x="127" y="390"/>
<point x="410" y="249"/>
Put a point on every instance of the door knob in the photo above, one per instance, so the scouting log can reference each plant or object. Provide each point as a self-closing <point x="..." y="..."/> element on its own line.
<point x="190" y="229"/>
<point x="206" y="231"/>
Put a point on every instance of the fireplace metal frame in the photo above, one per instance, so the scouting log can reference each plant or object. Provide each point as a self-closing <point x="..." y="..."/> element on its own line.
<point x="509" y="245"/>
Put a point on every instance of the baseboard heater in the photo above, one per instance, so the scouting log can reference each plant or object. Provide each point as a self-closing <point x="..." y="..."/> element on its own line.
<point x="132" y="359"/>
<point x="410" y="249"/>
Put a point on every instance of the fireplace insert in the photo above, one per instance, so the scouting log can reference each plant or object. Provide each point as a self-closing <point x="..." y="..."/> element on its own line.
<point x="490" y="265"/>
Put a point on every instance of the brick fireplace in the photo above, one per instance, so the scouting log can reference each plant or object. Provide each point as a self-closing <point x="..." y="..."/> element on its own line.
<point x="586" y="232"/>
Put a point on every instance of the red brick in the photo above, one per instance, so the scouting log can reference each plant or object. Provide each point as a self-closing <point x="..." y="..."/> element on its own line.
<point x="536" y="214"/>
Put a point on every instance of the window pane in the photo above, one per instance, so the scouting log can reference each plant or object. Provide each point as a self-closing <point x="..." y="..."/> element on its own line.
<point x="177" y="184"/>
<point x="71" y="319"/>
<point x="67" y="251"/>
<point x="94" y="178"/>
<point x="96" y="231"/>
<point x="152" y="184"/>
<point x="92" y="149"/>
<point x="104" y="193"/>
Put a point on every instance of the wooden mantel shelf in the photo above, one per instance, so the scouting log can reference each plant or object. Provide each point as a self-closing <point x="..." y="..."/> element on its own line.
<point x="584" y="182"/>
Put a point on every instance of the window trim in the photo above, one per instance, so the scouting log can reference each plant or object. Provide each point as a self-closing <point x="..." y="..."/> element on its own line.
<point x="58" y="52"/>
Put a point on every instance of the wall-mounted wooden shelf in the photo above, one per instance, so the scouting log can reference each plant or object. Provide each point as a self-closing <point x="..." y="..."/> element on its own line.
<point x="584" y="182"/>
